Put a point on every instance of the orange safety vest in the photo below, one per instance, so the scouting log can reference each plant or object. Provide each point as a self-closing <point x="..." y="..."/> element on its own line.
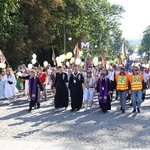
<point x="136" y="82"/>
<point x="122" y="82"/>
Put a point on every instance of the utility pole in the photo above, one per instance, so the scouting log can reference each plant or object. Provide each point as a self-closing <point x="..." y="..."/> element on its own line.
<point x="64" y="29"/>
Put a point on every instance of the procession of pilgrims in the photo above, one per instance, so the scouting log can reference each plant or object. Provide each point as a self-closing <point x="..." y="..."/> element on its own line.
<point x="76" y="86"/>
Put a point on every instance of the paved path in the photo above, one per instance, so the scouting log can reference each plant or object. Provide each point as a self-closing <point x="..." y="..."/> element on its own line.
<point x="50" y="129"/>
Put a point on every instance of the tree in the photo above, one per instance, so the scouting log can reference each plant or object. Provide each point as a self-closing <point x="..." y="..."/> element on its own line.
<point x="96" y="20"/>
<point x="145" y="44"/>
<point x="12" y="30"/>
<point x="33" y="26"/>
<point x="38" y="17"/>
<point x="101" y="25"/>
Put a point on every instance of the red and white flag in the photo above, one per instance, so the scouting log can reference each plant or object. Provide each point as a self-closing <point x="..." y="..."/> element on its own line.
<point x="2" y="57"/>
<point x="53" y="56"/>
<point x="76" y="52"/>
<point x="88" y="63"/>
<point x="122" y="53"/>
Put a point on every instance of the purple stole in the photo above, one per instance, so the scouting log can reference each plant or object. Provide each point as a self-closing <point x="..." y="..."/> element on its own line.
<point x="33" y="92"/>
<point x="103" y="93"/>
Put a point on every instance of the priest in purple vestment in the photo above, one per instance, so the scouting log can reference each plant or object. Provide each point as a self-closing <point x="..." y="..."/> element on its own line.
<point x="34" y="83"/>
<point x="104" y="90"/>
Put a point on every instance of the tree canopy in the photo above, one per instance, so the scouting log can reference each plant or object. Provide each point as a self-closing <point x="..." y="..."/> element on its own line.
<point x="33" y="26"/>
<point x="145" y="44"/>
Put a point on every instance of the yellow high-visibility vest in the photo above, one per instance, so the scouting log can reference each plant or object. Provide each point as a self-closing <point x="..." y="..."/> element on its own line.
<point x="122" y="82"/>
<point x="136" y="82"/>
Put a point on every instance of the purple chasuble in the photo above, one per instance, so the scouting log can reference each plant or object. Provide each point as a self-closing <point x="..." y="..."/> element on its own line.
<point x="103" y="91"/>
<point x="33" y="92"/>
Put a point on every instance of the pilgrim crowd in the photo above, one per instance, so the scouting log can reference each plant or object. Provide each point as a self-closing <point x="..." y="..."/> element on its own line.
<point x="77" y="85"/>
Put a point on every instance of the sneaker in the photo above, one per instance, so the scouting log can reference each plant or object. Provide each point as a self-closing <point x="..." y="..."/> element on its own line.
<point x="138" y="110"/>
<point x="90" y="108"/>
<point x="134" y="110"/>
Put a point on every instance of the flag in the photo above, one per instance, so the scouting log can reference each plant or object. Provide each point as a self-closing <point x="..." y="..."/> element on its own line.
<point x="122" y="53"/>
<point x="53" y="56"/>
<point x="103" y="56"/>
<point x="76" y="52"/>
<point x="88" y="63"/>
<point x="2" y="57"/>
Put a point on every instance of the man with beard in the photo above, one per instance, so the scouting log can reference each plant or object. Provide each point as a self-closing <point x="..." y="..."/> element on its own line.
<point x="76" y="89"/>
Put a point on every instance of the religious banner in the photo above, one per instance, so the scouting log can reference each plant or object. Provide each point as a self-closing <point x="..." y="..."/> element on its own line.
<point x="53" y="56"/>
<point x="88" y="63"/>
<point x="85" y="45"/>
<point x="122" y="53"/>
<point x="76" y="52"/>
<point x="2" y="57"/>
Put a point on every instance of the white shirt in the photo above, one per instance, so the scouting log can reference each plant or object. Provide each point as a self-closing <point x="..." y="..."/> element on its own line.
<point x="145" y="76"/>
<point x="89" y="81"/>
<point x="111" y="75"/>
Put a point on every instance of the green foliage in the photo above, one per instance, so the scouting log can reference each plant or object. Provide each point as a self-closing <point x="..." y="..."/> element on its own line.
<point x="12" y="31"/>
<point x="31" y="26"/>
<point x="145" y="44"/>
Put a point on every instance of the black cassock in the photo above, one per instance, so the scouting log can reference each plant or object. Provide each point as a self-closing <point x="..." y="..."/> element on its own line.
<point x="61" y="96"/>
<point x="76" y="90"/>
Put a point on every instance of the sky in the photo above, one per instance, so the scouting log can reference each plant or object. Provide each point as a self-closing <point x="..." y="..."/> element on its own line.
<point x="135" y="19"/>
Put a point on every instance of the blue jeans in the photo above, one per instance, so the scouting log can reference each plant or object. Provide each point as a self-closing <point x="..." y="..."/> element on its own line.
<point x="134" y="95"/>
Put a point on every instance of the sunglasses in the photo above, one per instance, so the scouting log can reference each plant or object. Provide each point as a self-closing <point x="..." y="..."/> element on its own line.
<point x="135" y="70"/>
<point x="89" y="72"/>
